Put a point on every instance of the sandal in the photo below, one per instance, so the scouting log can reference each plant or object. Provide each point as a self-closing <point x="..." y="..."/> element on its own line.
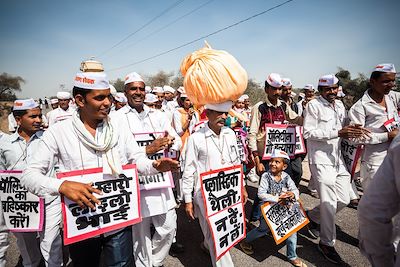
<point x="246" y="247"/>
<point x="298" y="263"/>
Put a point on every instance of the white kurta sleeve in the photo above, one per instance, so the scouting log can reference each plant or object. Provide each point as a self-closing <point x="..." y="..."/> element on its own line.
<point x="357" y="116"/>
<point x="178" y="123"/>
<point x="34" y="176"/>
<point x="188" y="176"/>
<point x="254" y="126"/>
<point x="379" y="204"/>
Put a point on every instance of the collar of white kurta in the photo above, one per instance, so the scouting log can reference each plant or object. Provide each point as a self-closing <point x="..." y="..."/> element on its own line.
<point x="326" y="102"/>
<point x="146" y="110"/>
<point x="208" y="132"/>
<point x="16" y="137"/>
<point x="279" y="102"/>
<point x="106" y="142"/>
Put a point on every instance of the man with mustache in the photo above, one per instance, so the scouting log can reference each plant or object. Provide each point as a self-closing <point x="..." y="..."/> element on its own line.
<point x="157" y="205"/>
<point x="323" y="128"/>
<point x="16" y="151"/>
<point x="90" y="139"/>
<point x="378" y="105"/>
<point x="272" y="110"/>
<point x="212" y="147"/>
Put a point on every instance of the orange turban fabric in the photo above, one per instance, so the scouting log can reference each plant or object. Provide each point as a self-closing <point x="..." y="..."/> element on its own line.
<point x="213" y="76"/>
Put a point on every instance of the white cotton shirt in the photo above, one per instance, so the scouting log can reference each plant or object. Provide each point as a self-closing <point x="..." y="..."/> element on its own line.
<point x="15" y="154"/>
<point x="72" y="154"/>
<point x="156" y="201"/>
<point x="378" y="206"/>
<point x="202" y="154"/>
<point x="372" y="116"/>
<point x="58" y="114"/>
<point x="322" y="122"/>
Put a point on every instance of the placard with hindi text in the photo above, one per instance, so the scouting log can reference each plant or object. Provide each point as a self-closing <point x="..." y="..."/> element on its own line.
<point x="284" y="219"/>
<point x="351" y="153"/>
<point x="228" y="228"/>
<point x="22" y="210"/>
<point x="279" y="136"/>
<point x="120" y="204"/>
<point x="223" y="202"/>
<point x="158" y="180"/>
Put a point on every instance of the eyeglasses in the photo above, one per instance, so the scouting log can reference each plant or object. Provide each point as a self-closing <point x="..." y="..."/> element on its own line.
<point x="134" y="88"/>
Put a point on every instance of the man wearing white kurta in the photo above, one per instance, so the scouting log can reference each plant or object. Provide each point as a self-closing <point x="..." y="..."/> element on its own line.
<point x="15" y="151"/>
<point x="323" y="127"/>
<point x="378" y="206"/>
<point x="378" y="105"/>
<point x="157" y="205"/>
<point x="212" y="147"/>
<point x="169" y="104"/>
<point x="90" y="139"/>
<point x="63" y="112"/>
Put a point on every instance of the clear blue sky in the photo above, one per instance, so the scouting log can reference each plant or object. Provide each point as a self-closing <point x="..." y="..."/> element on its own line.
<point x="45" y="41"/>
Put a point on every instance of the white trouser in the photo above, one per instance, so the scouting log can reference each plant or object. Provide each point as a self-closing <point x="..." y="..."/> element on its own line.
<point x="50" y="238"/>
<point x="226" y="259"/>
<point x="312" y="184"/>
<point x="150" y="251"/>
<point x="353" y="191"/>
<point x="333" y="189"/>
<point x="367" y="172"/>
<point x="28" y="245"/>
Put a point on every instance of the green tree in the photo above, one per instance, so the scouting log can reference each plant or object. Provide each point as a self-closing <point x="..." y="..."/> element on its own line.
<point x="255" y="91"/>
<point x="118" y="84"/>
<point x="9" y="85"/>
<point x="177" y="81"/>
<point x="159" y="79"/>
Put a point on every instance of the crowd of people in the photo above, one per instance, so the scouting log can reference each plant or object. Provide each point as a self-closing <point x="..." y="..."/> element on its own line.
<point x="99" y="127"/>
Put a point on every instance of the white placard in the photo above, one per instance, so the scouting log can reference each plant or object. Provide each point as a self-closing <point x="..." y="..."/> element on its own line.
<point x="279" y="136"/>
<point x="284" y="219"/>
<point x="22" y="210"/>
<point x="228" y="227"/>
<point x="221" y="188"/>
<point x="120" y="204"/>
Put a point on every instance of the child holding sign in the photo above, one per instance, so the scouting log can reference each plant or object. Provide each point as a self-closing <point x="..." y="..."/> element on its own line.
<point x="276" y="186"/>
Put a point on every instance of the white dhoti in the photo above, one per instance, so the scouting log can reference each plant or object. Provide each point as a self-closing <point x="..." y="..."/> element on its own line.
<point x="152" y="251"/>
<point x="334" y="193"/>
<point x="226" y="259"/>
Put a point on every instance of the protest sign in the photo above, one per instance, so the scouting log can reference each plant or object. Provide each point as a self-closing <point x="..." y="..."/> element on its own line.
<point x="222" y="195"/>
<point x="120" y="204"/>
<point x="161" y="179"/>
<point x="279" y="136"/>
<point x="284" y="219"/>
<point x="228" y="227"/>
<point x="391" y="124"/>
<point x="221" y="188"/>
<point x="22" y="210"/>
<point x="351" y="153"/>
<point x="241" y="143"/>
<point x="300" y="144"/>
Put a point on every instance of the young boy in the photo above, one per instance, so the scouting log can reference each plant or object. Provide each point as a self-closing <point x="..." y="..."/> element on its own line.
<point x="276" y="185"/>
